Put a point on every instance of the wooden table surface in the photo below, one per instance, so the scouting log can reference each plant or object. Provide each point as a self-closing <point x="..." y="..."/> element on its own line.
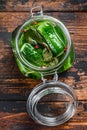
<point x="15" y="88"/>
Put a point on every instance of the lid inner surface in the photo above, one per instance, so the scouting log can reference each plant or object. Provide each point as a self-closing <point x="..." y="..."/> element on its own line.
<point x="53" y="104"/>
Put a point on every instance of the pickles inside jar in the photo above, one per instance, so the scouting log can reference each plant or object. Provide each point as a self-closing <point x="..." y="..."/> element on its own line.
<point x="42" y="43"/>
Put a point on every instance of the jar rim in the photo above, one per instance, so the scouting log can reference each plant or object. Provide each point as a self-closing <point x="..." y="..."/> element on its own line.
<point x="36" y="68"/>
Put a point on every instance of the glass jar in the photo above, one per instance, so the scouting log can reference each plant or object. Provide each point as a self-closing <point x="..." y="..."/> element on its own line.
<point x="52" y="95"/>
<point x="28" y="69"/>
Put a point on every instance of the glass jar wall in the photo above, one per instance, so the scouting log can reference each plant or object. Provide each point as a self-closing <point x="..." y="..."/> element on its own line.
<point x="60" y="63"/>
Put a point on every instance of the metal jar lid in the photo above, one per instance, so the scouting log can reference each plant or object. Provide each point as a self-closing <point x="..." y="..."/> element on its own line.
<point x="52" y="102"/>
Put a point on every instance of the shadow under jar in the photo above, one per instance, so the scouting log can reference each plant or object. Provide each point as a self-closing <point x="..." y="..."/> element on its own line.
<point x="42" y="46"/>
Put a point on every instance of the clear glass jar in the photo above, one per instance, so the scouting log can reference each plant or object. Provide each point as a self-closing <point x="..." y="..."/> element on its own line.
<point x="57" y="98"/>
<point x="30" y="70"/>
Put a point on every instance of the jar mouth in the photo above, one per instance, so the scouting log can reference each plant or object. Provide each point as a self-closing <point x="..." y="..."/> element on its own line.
<point x="50" y="68"/>
<point x="51" y="87"/>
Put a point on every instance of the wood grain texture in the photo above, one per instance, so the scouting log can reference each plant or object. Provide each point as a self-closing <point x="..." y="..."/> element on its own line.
<point x="15" y="88"/>
<point x="13" y="85"/>
<point x="48" y="5"/>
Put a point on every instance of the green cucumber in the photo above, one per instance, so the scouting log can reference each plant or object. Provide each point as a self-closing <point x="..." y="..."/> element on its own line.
<point x="31" y="54"/>
<point x="53" y="40"/>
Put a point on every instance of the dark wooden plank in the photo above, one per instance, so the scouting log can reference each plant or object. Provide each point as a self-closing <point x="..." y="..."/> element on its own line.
<point x="13" y="116"/>
<point x="49" y="5"/>
<point x="13" y="85"/>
